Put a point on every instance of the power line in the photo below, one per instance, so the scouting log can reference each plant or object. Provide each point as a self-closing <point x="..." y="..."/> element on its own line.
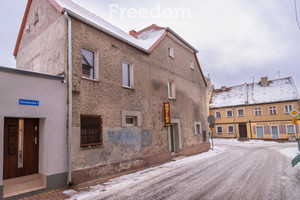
<point x="296" y="13"/>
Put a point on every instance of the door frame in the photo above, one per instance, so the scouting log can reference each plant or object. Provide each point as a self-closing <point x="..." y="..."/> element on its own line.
<point x="33" y="127"/>
<point x="177" y="122"/>
<point x="277" y="131"/>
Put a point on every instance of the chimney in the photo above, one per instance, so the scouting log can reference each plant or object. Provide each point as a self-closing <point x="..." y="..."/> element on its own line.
<point x="264" y="81"/>
<point x="223" y="88"/>
<point x="132" y="33"/>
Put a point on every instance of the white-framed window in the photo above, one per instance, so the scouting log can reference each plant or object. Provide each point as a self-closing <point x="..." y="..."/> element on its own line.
<point x="127" y="75"/>
<point x="288" y="108"/>
<point x="219" y="129"/>
<point x="257" y="111"/>
<point x="171" y="89"/>
<point x="290" y="128"/>
<point x="171" y="52"/>
<point x="131" y="118"/>
<point x="192" y="66"/>
<point x="259" y="131"/>
<point x="229" y="113"/>
<point x="240" y="112"/>
<point x="88" y="63"/>
<point x="230" y="129"/>
<point x="197" y="128"/>
<point x="218" y="114"/>
<point x="273" y="110"/>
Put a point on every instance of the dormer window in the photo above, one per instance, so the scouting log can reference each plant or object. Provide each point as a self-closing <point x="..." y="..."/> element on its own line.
<point x="171" y="52"/>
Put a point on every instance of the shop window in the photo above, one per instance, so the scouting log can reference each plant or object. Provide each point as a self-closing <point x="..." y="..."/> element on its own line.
<point x="257" y="111"/>
<point x="290" y="129"/>
<point x="88" y="64"/>
<point x="218" y="114"/>
<point x="288" y="108"/>
<point x="229" y="113"/>
<point x="272" y="110"/>
<point x="197" y="128"/>
<point x="127" y="75"/>
<point x="230" y="129"/>
<point x="90" y="130"/>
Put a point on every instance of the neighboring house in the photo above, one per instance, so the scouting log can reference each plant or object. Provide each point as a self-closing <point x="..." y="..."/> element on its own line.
<point x="256" y="110"/>
<point x="32" y="131"/>
<point x="119" y="84"/>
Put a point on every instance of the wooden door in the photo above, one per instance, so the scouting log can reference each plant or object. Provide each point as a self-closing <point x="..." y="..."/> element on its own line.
<point x="243" y="130"/>
<point x="21" y="147"/>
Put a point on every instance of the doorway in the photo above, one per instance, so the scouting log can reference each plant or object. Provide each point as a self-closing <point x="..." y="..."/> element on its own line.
<point x="243" y="130"/>
<point x="21" y="147"/>
<point x="174" y="138"/>
<point x="274" y="132"/>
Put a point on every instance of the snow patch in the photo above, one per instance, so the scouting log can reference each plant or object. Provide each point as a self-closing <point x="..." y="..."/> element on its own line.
<point x="289" y="152"/>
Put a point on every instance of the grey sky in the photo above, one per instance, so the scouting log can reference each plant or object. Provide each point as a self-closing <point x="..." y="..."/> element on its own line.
<point x="237" y="39"/>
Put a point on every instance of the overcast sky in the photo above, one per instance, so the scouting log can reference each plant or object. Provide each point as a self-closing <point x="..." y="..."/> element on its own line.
<point x="238" y="40"/>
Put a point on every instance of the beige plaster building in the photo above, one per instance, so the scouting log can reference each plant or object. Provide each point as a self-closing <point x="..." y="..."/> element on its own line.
<point x="118" y="85"/>
<point x="258" y="110"/>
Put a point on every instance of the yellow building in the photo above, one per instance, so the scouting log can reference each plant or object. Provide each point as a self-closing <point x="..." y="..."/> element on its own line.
<point x="256" y="110"/>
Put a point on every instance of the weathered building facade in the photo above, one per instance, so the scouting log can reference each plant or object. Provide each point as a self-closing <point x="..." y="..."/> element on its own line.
<point x="119" y="83"/>
<point x="256" y="110"/>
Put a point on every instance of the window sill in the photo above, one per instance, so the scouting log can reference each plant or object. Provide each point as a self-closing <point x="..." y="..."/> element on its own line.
<point x="241" y="116"/>
<point x="92" y="147"/>
<point x="128" y="88"/>
<point x="90" y="79"/>
<point x="173" y="99"/>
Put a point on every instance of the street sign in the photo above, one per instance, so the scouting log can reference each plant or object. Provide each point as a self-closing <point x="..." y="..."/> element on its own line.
<point x="211" y="119"/>
<point x="294" y="113"/>
<point x="295" y="121"/>
<point x="27" y="102"/>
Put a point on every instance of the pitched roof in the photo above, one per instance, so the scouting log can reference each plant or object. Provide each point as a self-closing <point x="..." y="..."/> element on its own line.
<point x="278" y="90"/>
<point x="145" y="40"/>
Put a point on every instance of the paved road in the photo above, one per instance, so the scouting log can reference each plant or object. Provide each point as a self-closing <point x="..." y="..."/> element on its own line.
<point x="237" y="171"/>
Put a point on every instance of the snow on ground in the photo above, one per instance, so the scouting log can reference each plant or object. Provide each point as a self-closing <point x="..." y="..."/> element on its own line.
<point x="290" y="152"/>
<point x="151" y="176"/>
<point x="147" y="175"/>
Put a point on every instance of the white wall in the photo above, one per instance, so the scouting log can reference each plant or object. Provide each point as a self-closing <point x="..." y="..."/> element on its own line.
<point x="51" y="94"/>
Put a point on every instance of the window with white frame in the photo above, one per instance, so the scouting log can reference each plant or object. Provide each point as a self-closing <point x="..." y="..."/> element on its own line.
<point x="240" y="112"/>
<point x="288" y="108"/>
<point x="171" y="52"/>
<point x="171" y="89"/>
<point x="257" y="111"/>
<point x="127" y="75"/>
<point x="259" y="131"/>
<point x="272" y="110"/>
<point x="218" y="114"/>
<point x="219" y="129"/>
<point x="131" y="121"/>
<point x="88" y="64"/>
<point x="230" y="129"/>
<point x="229" y="113"/>
<point x="192" y="64"/>
<point x="197" y="127"/>
<point x="290" y="128"/>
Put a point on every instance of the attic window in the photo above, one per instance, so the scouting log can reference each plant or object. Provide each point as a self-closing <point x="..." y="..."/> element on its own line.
<point x="192" y="65"/>
<point x="36" y="18"/>
<point x="171" y="52"/>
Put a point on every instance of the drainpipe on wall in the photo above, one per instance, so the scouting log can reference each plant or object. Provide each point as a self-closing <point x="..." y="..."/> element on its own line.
<point x="233" y="113"/>
<point x="69" y="98"/>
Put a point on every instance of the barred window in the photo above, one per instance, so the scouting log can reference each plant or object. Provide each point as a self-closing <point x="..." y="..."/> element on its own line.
<point x="91" y="130"/>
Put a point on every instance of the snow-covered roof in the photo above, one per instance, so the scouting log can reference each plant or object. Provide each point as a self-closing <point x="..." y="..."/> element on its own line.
<point x="278" y="90"/>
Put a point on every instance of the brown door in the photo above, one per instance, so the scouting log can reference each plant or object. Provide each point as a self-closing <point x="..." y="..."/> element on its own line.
<point x="21" y="147"/>
<point x="243" y="130"/>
